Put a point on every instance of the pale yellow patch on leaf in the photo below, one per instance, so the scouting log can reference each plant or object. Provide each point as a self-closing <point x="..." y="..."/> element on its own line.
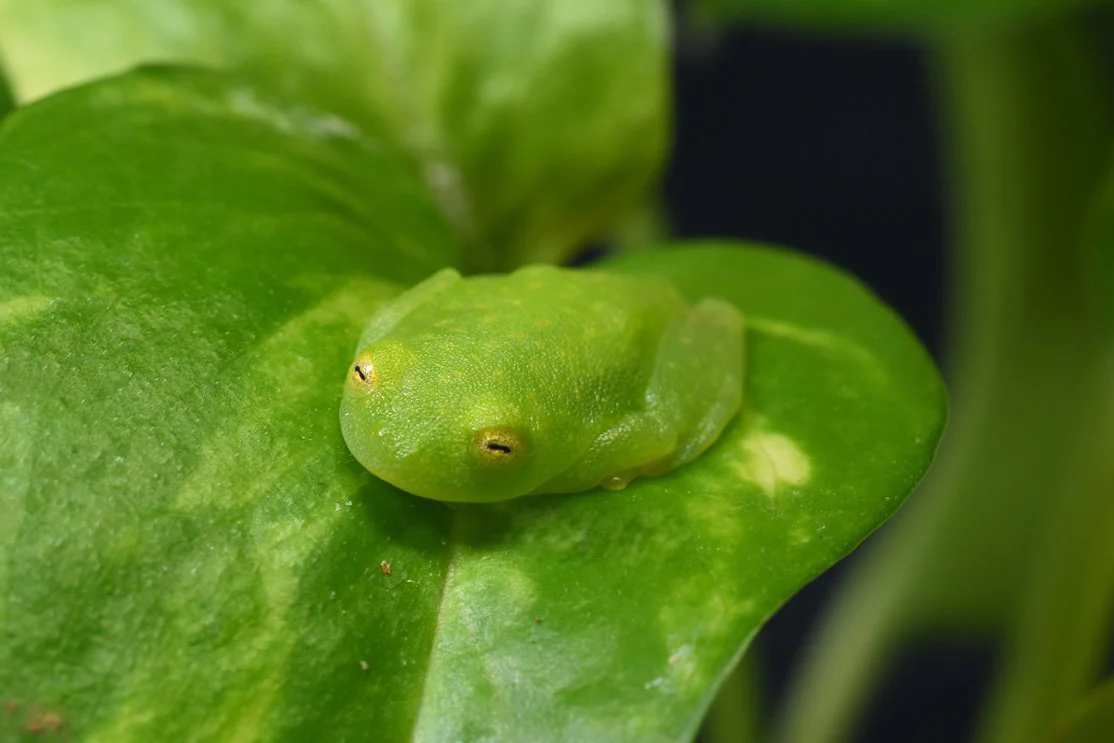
<point x="22" y="309"/>
<point x="771" y="460"/>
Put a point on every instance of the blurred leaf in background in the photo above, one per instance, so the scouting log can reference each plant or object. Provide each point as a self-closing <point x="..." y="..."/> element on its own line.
<point x="535" y="124"/>
<point x="1101" y="245"/>
<point x="1092" y="721"/>
<point x="1010" y="539"/>
<point x="917" y="16"/>
<point x="7" y="100"/>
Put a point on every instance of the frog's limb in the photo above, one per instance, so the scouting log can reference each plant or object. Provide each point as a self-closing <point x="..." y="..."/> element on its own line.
<point x="631" y="448"/>
<point x="389" y="314"/>
<point x="697" y="385"/>
<point x="695" y="389"/>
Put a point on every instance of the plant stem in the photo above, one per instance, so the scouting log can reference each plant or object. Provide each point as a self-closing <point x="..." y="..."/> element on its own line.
<point x="1061" y="636"/>
<point x="1034" y="109"/>
<point x="1028" y="125"/>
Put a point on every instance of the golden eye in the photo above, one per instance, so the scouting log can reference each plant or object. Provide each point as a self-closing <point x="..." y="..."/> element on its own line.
<point x="364" y="373"/>
<point x="500" y="446"/>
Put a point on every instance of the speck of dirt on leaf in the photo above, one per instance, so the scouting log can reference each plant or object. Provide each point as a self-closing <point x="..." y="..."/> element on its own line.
<point x="537" y="620"/>
<point x="10" y="707"/>
<point x="38" y="722"/>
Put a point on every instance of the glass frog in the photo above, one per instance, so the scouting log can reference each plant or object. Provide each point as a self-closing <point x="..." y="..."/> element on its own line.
<point x="544" y="380"/>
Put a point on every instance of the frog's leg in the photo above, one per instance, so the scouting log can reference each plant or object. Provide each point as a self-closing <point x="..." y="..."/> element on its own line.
<point x="389" y="314"/>
<point x="627" y="450"/>
<point x="694" y="390"/>
<point x="697" y="384"/>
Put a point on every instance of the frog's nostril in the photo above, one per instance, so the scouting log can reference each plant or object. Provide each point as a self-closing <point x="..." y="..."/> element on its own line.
<point x="364" y="373"/>
<point x="500" y="446"/>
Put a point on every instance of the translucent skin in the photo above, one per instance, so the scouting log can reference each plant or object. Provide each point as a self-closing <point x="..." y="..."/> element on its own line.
<point x="545" y="380"/>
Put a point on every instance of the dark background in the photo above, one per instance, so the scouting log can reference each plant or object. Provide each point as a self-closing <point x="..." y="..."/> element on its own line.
<point x="828" y="145"/>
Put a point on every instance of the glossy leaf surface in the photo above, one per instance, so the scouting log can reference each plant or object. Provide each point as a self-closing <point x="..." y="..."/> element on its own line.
<point x="189" y="550"/>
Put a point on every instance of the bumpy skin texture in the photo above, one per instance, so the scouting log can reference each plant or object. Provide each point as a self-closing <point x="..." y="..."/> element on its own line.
<point x="545" y="380"/>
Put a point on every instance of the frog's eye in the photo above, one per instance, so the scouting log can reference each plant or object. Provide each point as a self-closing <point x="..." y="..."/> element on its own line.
<point x="364" y="374"/>
<point x="501" y="446"/>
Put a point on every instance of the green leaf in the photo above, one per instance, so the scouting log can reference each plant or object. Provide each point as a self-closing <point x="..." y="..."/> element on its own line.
<point x="190" y="552"/>
<point x="1092" y="721"/>
<point x="907" y="15"/>
<point x="184" y="552"/>
<point x="536" y="124"/>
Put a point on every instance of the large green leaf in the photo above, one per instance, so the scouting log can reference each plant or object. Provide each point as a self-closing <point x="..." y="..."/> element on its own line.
<point x="184" y="553"/>
<point x="535" y="123"/>
<point x="909" y="15"/>
<point x="188" y="551"/>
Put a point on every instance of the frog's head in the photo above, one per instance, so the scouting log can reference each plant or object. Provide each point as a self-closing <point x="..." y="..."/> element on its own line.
<point x="435" y="430"/>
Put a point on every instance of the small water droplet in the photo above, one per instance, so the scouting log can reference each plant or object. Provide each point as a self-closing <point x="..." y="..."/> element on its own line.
<point x="614" y="483"/>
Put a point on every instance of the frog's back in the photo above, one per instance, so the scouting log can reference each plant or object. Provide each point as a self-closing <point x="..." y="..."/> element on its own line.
<point x="544" y="380"/>
<point x="532" y="328"/>
<point x="549" y="299"/>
